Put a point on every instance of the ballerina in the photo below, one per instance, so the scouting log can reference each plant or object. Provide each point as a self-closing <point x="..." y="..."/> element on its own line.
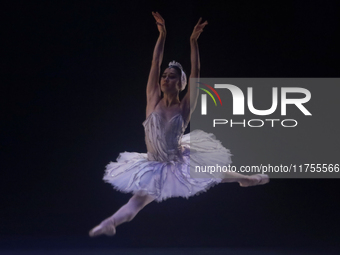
<point x="164" y="171"/>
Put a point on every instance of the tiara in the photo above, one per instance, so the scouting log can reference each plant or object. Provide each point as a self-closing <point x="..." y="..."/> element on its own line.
<point x="174" y="63"/>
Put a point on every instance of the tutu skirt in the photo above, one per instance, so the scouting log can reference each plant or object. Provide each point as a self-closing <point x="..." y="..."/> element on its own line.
<point x="134" y="173"/>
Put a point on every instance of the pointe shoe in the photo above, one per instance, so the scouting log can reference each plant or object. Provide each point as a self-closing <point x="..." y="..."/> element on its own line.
<point x="260" y="180"/>
<point x="264" y="178"/>
<point x="107" y="227"/>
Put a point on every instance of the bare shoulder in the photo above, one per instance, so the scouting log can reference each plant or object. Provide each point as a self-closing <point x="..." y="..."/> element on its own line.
<point x="151" y="107"/>
<point x="152" y="100"/>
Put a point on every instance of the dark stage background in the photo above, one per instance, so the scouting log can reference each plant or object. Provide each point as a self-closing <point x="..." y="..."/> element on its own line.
<point x="73" y="92"/>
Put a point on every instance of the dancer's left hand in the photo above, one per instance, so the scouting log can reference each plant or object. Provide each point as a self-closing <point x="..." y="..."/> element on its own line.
<point x="198" y="29"/>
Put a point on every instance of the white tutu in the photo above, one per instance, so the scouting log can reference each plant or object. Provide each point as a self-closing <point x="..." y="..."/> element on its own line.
<point x="164" y="171"/>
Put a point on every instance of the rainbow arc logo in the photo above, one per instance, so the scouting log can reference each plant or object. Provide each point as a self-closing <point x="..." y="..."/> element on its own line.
<point x="204" y="97"/>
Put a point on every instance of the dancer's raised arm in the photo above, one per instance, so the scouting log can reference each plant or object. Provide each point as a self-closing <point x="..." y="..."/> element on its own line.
<point x="189" y="101"/>
<point x="153" y="91"/>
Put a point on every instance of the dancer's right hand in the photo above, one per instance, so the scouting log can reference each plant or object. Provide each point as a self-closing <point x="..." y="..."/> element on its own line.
<point x="160" y="22"/>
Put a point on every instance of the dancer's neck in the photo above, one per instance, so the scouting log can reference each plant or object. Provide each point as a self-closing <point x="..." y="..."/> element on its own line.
<point x="170" y="99"/>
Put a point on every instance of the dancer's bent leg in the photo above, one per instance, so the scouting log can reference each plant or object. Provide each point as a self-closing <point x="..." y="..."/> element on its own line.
<point x="246" y="180"/>
<point x="126" y="213"/>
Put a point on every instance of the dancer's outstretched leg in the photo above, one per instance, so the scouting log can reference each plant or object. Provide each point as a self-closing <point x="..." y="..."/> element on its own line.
<point x="246" y="180"/>
<point x="126" y="213"/>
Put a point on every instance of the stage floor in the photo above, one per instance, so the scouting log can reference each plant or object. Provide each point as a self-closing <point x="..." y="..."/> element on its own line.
<point x="159" y="251"/>
<point x="84" y="245"/>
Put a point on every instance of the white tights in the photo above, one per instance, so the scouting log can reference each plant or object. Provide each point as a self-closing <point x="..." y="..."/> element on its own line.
<point x="126" y="213"/>
<point x="138" y="201"/>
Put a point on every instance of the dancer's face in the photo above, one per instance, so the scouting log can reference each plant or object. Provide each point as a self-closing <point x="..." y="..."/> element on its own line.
<point x="170" y="81"/>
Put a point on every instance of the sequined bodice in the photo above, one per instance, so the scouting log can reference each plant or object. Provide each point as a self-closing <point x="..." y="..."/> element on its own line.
<point x="163" y="138"/>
